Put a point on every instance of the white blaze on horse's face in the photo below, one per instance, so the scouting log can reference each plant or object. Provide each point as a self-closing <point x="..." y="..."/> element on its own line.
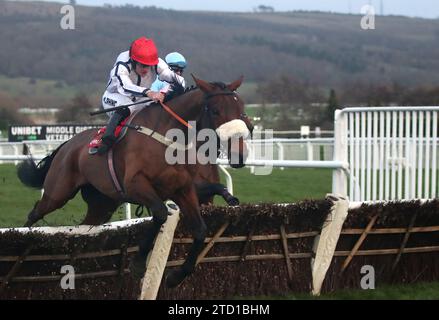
<point x="235" y="128"/>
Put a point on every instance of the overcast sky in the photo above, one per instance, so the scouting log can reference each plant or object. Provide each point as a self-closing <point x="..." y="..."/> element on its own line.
<point x="411" y="8"/>
<point x="417" y="8"/>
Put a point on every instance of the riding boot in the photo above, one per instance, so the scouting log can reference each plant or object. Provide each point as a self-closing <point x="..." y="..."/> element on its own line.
<point x="109" y="138"/>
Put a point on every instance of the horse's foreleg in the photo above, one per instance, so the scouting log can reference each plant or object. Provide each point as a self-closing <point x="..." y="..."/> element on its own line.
<point x="228" y="197"/>
<point x="141" y="192"/>
<point x="188" y="203"/>
<point x="207" y="191"/>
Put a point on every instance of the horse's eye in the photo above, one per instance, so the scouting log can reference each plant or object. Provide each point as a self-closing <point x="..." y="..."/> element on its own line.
<point x="215" y="112"/>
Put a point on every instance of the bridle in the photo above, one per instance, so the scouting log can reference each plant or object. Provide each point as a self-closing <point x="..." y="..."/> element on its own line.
<point x="207" y="115"/>
<point x="207" y="110"/>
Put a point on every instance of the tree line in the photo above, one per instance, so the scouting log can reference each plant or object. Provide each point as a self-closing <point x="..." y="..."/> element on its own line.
<point x="300" y="103"/>
<point x="297" y="102"/>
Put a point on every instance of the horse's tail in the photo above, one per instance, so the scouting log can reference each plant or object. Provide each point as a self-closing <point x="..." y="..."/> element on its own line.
<point x="33" y="175"/>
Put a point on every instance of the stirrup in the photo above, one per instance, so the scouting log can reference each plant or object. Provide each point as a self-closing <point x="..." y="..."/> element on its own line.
<point x="93" y="150"/>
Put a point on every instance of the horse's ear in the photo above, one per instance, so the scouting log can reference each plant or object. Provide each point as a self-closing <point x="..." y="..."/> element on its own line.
<point x="235" y="84"/>
<point x="203" y="85"/>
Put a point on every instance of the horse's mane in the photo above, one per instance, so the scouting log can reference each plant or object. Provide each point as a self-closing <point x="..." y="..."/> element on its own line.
<point x="191" y="88"/>
<point x="218" y="84"/>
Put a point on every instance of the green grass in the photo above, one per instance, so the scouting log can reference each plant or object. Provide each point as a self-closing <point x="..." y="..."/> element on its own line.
<point x="418" y="291"/>
<point x="287" y="185"/>
<point x="16" y="201"/>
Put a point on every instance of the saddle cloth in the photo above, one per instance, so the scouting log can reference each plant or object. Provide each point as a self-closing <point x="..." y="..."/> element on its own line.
<point x="97" y="139"/>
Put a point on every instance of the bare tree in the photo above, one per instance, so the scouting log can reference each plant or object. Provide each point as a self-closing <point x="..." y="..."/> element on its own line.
<point x="78" y="111"/>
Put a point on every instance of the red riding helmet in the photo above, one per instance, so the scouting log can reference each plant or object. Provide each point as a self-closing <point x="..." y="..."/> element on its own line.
<point x="143" y="50"/>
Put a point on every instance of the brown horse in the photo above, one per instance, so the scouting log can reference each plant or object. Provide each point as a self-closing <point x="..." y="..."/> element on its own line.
<point x="144" y="173"/>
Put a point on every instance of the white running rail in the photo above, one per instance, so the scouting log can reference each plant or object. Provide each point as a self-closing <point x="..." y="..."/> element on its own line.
<point x="391" y="151"/>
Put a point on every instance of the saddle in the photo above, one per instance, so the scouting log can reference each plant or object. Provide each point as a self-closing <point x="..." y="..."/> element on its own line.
<point x="119" y="133"/>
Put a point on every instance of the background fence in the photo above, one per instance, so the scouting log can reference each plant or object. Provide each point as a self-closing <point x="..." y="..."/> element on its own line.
<point x="391" y="153"/>
<point x="377" y="153"/>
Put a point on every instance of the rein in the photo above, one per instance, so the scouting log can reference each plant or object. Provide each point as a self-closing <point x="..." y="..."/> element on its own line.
<point x="184" y="122"/>
<point x="176" y="116"/>
<point x="180" y="119"/>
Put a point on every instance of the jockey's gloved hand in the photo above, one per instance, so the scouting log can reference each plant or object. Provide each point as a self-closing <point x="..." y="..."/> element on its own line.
<point x="177" y="88"/>
<point x="155" y="96"/>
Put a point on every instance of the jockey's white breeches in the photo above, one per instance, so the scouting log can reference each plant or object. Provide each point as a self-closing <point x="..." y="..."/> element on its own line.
<point x="111" y="100"/>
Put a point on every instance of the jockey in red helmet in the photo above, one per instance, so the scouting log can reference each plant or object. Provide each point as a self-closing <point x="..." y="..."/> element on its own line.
<point x="130" y="79"/>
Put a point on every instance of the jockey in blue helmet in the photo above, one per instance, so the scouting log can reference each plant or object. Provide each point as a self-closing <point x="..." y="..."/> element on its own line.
<point x="177" y="63"/>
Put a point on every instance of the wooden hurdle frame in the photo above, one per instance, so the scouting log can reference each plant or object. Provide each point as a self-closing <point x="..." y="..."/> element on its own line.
<point x="155" y="263"/>
<point x="325" y="243"/>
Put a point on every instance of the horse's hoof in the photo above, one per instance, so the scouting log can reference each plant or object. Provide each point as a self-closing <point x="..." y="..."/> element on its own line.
<point x="174" y="278"/>
<point x="27" y="224"/>
<point x="232" y="201"/>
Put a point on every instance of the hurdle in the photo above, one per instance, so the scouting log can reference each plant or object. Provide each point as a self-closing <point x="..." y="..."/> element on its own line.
<point x="92" y="247"/>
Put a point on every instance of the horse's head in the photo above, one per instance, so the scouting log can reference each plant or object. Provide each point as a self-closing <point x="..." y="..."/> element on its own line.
<point x="226" y="111"/>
